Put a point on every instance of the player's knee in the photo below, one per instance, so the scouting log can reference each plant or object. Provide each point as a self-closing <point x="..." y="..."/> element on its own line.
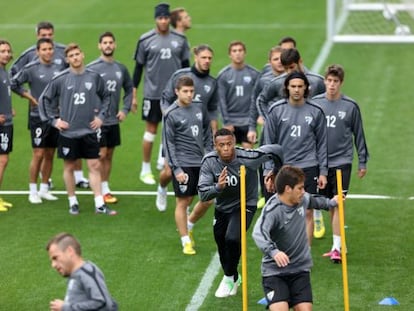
<point x="150" y="137"/>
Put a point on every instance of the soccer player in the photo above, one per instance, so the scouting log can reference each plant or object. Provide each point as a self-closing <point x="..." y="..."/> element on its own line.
<point x="116" y="77"/>
<point x="284" y="43"/>
<point x="298" y="126"/>
<point x="46" y="29"/>
<point x="159" y="53"/>
<point x="344" y="126"/>
<point x="280" y="234"/>
<point x="76" y="102"/>
<point x="205" y="91"/>
<point x="87" y="288"/>
<point x="186" y="137"/>
<point x="220" y="180"/>
<point x="180" y="20"/>
<point x="235" y="88"/>
<point x="38" y="74"/>
<point x="6" y="115"/>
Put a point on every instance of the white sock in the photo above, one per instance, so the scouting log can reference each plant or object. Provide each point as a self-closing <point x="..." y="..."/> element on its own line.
<point x="146" y="168"/>
<point x="185" y="239"/>
<point x="99" y="201"/>
<point x="33" y="188"/>
<point x="44" y="188"/>
<point x="78" y="176"/>
<point x="160" y="157"/>
<point x="162" y="189"/>
<point x="73" y="200"/>
<point x="317" y="214"/>
<point x="190" y="225"/>
<point x="105" y="187"/>
<point x="336" y="242"/>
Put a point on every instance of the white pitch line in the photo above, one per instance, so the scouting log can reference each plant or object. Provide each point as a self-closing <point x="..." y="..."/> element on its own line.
<point x="206" y="282"/>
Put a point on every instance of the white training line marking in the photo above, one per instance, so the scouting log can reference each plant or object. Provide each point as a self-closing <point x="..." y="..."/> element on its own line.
<point x="206" y="282"/>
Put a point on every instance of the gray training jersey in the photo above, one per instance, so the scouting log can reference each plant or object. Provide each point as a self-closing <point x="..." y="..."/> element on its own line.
<point x="186" y="136"/>
<point x="30" y="55"/>
<point x="274" y="90"/>
<point x="205" y="90"/>
<point x="161" y="55"/>
<point x="87" y="290"/>
<point x="116" y="77"/>
<point x="235" y="88"/>
<point x="37" y="75"/>
<point x="282" y="228"/>
<point x="343" y="123"/>
<point x="5" y="97"/>
<point x="301" y="131"/>
<point x="228" y="199"/>
<point x="76" y="99"/>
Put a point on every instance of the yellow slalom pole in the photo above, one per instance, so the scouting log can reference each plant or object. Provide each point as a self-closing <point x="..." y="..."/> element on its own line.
<point x="343" y="240"/>
<point x="243" y="234"/>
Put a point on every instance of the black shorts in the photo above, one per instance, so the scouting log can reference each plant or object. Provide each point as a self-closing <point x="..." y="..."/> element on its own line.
<point x="331" y="188"/>
<point x="189" y="188"/>
<point x="292" y="288"/>
<point x="6" y="139"/>
<point x="42" y="134"/>
<point x="109" y="136"/>
<point x="241" y="134"/>
<point x="151" y="110"/>
<point x="85" y="147"/>
<point x="311" y="179"/>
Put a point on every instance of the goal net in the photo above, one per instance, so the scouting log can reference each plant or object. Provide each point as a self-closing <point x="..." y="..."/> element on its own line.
<point x="369" y="21"/>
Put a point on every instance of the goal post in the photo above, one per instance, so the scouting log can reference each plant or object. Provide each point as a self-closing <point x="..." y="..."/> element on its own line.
<point x="369" y="21"/>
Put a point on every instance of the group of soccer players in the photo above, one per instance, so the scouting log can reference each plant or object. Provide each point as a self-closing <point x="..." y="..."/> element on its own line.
<point x="307" y="123"/>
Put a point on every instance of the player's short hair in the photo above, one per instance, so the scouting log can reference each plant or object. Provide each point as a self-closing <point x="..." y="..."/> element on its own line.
<point x="106" y="34"/>
<point x="296" y="75"/>
<point x="44" y="25"/>
<point x="184" y="81"/>
<point x="223" y="132"/>
<point x="3" y="41"/>
<point x="43" y="40"/>
<point x="288" y="175"/>
<point x="201" y="48"/>
<point x="335" y="70"/>
<point x="175" y="16"/>
<point x="70" y="47"/>
<point x="236" y="42"/>
<point x="63" y="241"/>
<point x="289" y="56"/>
<point x="275" y="49"/>
<point x="287" y="40"/>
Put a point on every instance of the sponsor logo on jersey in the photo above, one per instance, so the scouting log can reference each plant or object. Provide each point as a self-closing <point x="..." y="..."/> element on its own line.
<point x="341" y="114"/>
<point x="88" y="85"/>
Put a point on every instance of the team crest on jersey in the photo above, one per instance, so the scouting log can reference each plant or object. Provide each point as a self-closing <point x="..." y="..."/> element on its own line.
<point x="174" y="44"/>
<point x="118" y="74"/>
<point x="247" y="79"/>
<point x="199" y="115"/>
<point x="65" y="150"/>
<point x="88" y="85"/>
<point x="4" y="146"/>
<point x="37" y="141"/>
<point x="207" y="88"/>
<point x="308" y="119"/>
<point x="58" y="61"/>
<point x="341" y="114"/>
<point x="301" y="211"/>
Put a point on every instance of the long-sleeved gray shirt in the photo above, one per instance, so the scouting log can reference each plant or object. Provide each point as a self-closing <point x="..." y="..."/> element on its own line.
<point x="161" y="55"/>
<point x="87" y="290"/>
<point x="76" y="99"/>
<point x="301" y="131"/>
<point x="116" y="77"/>
<point x="5" y="97"/>
<point x="228" y="199"/>
<point x="235" y="89"/>
<point x="186" y="136"/>
<point x="283" y="228"/>
<point x="343" y="123"/>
